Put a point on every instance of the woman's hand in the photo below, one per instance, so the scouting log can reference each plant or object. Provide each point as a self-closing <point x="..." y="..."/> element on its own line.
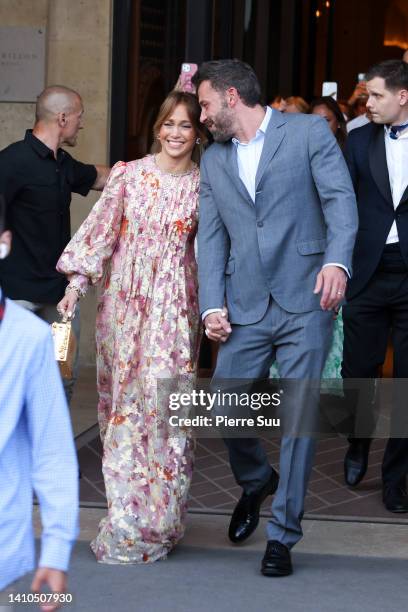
<point x="66" y="307"/>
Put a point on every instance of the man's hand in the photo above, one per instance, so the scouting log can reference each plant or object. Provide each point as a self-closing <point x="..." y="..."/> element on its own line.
<point x="331" y="281"/>
<point x="217" y="326"/>
<point x="55" y="580"/>
<point x="102" y="173"/>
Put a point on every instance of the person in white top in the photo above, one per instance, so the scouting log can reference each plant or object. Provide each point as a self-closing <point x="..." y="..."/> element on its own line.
<point x="358" y="121"/>
<point x="377" y="295"/>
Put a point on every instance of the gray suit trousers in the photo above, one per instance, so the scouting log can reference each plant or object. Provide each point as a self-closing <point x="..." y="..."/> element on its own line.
<point x="299" y="343"/>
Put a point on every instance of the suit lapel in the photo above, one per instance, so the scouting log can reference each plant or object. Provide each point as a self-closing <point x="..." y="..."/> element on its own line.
<point x="378" y="162"/>
<point x="232" y="169"/>
<point x="273" y="139"/>
<point x="404" y="196"/>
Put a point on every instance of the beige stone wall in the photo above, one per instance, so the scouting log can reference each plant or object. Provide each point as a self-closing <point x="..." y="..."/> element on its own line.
<point x="16" y="118"/>
<point x="78" y="55"/>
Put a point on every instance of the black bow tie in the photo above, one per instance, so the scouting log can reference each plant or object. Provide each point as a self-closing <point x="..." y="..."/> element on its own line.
<point x="395" y="130"/>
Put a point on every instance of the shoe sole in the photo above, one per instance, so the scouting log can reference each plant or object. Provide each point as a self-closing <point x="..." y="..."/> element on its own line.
<point x="397" y="511"/>
<point x="276" y="573"/>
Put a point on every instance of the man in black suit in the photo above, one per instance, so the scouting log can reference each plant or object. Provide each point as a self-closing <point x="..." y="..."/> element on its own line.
<point x="377" y="295"/>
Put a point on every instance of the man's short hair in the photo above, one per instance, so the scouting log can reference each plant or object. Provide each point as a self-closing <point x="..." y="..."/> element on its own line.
<point x="223" y="74"/>
<point x="394" y="73"/>
<point x="55" y="99"/>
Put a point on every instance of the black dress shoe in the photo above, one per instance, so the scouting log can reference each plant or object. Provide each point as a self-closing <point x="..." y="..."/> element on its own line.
<point x="395" y="498"/>
<point x="245" y="517"/>
<point x="276" y="561"/>
<point x="356" y="460"/>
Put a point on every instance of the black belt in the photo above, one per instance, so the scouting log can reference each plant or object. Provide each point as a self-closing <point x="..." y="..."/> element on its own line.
<point x="394" y="247"/>
<point x="392" y="260"/>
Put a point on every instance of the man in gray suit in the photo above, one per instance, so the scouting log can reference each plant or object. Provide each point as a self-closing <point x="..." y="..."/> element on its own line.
<point x="278" y="220"/>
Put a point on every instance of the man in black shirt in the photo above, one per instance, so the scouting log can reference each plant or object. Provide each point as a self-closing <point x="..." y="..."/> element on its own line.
<point x="37" y="179"/>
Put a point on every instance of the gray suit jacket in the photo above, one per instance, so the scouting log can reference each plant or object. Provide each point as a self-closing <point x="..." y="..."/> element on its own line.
<point x="304" y="216"/>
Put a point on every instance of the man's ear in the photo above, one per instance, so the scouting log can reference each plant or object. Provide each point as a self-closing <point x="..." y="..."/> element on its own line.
<point x="62" y="119"/>
<point x="232" y="96"/>
<point x="403" y="97"/>
<point x="5" y="244"/>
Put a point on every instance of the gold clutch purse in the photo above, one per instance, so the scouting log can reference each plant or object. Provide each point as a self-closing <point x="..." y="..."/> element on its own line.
<point x="65" y="347"/>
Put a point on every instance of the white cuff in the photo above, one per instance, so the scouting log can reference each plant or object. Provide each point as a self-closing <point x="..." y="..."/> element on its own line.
<point x="210" y="311"/>
<point x="339" y="266"/>
<point x="55" y="553"/>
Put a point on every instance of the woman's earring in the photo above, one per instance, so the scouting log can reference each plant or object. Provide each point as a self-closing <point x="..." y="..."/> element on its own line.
<point x="198" y="141"/>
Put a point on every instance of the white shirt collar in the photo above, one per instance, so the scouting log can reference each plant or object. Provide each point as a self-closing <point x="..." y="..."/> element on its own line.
<point x="261" y="130"/>
<point x="387" y="130"/>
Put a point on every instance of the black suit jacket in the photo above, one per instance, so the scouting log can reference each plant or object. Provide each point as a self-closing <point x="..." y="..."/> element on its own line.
<point x="367" y="162"/>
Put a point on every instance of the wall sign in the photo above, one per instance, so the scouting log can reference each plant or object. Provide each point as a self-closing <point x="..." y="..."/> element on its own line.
<point x="22" y="63"/>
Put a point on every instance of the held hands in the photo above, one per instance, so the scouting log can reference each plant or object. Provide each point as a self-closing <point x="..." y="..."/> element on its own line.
<point x="66" y="307"/>
<point x="331" y="281"/>
<point x="55" y="580"/>
<point x="217" y="326"/>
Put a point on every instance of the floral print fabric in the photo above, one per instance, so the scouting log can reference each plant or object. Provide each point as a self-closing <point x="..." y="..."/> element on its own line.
<point x="138" y="241"/>
<point x="332" y="382"/>
<point x="332" y="367"/>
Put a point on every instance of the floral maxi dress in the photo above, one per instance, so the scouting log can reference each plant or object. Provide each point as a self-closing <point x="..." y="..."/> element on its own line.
<point x="139" y="241"/>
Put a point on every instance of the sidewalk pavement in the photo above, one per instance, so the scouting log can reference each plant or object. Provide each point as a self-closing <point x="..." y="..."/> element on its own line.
<point x="338" y="566"/>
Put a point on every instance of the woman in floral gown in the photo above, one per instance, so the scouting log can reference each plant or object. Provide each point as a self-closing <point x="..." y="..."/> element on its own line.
<point x="138" y="243"/>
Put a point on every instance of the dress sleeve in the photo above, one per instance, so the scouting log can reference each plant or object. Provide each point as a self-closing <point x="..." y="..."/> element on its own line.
<point x="84" y="258"/>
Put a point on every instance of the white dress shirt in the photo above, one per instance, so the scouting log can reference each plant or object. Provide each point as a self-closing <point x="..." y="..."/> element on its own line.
<point x="397" y="161"/>
<point x="37" y="451"/>
<point x="249" y="154"/>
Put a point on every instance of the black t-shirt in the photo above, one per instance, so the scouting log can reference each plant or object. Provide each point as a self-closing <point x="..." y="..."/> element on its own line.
<point x="37" y="189"/>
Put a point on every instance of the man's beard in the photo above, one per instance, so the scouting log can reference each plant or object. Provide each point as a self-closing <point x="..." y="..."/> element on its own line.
<point x="222" y="127"/>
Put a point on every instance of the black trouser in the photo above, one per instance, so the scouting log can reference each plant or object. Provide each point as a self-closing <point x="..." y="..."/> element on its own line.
<point x="381" y="308"/>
